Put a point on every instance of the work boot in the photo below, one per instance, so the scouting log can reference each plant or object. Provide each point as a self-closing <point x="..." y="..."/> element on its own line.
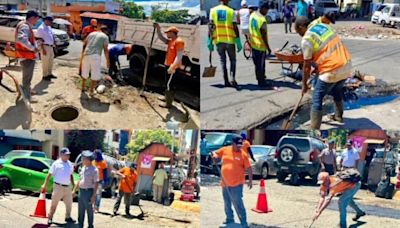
<point x="52" y="76"/>
<point x="316" y="119"/>
<point x="47" y="78"/>
<point x="169" y="99"/>
<point x="226" y="80"/>
<point x="355" y="218"/>
<point x="338" y="116"/>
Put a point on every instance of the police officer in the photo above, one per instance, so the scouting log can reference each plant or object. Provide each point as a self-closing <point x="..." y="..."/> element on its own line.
<point x="88" y="183"/>
<point x="224" y="33"/>
<point x="259" y="41"/>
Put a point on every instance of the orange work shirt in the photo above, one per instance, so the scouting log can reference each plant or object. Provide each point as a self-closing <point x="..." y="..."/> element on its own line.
<point x="127" y="185"/>
<point x="173" y="47"/>
<point x="101" y="166"/>
<point x="336" y="186"/>
<point x="87" y="30"/>
<point x="246" y="145"/>
<point x="233" y="167"/>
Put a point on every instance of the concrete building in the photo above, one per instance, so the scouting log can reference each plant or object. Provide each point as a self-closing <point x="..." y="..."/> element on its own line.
<point x="17" y="140"/>
<point x="52" y="141"/>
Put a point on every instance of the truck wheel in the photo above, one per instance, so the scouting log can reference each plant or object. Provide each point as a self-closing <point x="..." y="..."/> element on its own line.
<point x="137" y="63"/>
<point x="294" y="179"/>
<point x="281" y="176"/>
<point x="287" y="154"/>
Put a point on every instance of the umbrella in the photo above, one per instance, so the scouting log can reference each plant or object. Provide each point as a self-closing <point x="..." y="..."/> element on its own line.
<point x="61" y="21"/>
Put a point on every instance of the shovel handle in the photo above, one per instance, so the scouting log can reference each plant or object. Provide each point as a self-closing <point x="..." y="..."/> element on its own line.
<point x="210" y="58"/>
<point x="287" y="42"/>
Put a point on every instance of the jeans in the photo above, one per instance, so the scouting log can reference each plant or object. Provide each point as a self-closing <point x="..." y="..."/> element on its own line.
<point x="28" y="66"/>
<point x="259" y="63"/>
<point x="288" y="21"/>
<point x="346" y="199"/>
<point x="85" y="206"/>
<point x="127" y="201"/>
<point x="222" y="49"/>
<point x="322" y="89"/>
<point x="234" y="195"/>
<point x="98" y="195"/>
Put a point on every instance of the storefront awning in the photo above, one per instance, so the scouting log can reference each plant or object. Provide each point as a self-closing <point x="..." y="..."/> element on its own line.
<point x="374" y="141"/>
<point x="164" y="159"/>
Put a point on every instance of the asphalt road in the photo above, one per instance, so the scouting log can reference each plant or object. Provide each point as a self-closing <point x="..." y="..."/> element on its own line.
<point x="294" y="207"/>
<point x="228" y="108"/>
<point x="16" y="207"/>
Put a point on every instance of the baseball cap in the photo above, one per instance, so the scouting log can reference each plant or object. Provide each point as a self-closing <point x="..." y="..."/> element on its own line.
<point x="172" y="29"/>
<point x="48" y="18"/>
<point x="237" y="140"/>
<point x="243" y="3"/>
<point x="65" y="150"/>
<point x="331" y="16"/>
<point x="87" y="154"/>
<point x="332" y="141"/>
<point x="132" y="165"/>
<point x="322" y="176"/>
<point x="349" y="142"/>
<point x="32" y="13"/>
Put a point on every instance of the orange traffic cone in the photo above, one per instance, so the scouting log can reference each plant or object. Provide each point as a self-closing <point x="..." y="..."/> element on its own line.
<point x="41" y="206"/>
<point x="262" y="202"/>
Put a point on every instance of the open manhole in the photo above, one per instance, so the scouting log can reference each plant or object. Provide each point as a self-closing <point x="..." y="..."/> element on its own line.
<point x="65" y="113"/>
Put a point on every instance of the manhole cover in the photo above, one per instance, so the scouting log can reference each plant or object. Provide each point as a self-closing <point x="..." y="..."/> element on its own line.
<point x="65" y="113"/>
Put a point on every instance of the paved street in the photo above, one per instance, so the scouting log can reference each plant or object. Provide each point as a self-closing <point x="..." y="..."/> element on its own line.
<point x="294" y="207"/>
<point x="251" y="105"/>
<point x="16" y="207"/>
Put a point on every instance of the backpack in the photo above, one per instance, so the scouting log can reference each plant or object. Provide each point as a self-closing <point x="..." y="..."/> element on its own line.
<point x="350" y="175"/>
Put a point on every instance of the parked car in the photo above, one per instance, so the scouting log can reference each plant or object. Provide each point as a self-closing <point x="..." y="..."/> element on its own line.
<point x="273" y="16"/>
<point x="112" y="164"/>
<point x="8" y="24"/>
<point x="298" y="155"/>
<point x="16" y="170"/>
<point x="325" y="6"/>
<point x="215" y="140"/>
<point x="391" y="10"/>
<point x="264" y="165"/>
<point x="378" y="12"/>
<point x="390" y="162"/>
<point x="17" y="153"/>
<point x="177" y="176"/>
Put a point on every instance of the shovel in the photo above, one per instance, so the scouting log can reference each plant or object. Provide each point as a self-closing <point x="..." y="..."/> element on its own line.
<point x="147" y="63"/>
<point x="209" y="72"/>
<point x="286" y="124"/>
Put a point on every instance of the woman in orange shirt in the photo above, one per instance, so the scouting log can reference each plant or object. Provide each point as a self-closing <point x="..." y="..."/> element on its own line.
<point x="101" y="166"/>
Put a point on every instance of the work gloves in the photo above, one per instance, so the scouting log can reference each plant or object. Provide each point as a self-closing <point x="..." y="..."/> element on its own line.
<point x="210" y="44"/>
<point x="238" y="44"/>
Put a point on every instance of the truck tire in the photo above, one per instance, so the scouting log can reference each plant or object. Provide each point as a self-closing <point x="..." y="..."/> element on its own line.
<point x="281" y="176"/>
<point x="287" y="154"/>
<point x="137" y="63"/>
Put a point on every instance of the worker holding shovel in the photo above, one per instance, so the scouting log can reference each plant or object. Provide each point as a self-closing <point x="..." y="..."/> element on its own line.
<point x="235" y="162"/>
<point x="173" y="59"/>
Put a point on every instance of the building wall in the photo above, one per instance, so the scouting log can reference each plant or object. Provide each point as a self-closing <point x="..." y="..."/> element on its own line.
<point x="111" y="139"/>
<point x="52" y="141"/>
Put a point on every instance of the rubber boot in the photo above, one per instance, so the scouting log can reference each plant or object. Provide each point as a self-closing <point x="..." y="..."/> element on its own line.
<point x="169" y="99"/>
<point x="338" y="111"/>
<point x="316" y="119"/>
<point x="227" y="82"/>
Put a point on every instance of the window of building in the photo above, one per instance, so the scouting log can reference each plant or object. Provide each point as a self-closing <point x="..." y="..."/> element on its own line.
<point x="115" y="137"/>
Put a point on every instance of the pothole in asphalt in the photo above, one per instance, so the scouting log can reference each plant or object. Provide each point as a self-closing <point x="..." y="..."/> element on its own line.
<point x="65" y="113"/>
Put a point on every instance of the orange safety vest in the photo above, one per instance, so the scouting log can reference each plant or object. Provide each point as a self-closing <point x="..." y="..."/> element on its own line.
<point x="20" y="50"/>
<point x="329" y="52"/>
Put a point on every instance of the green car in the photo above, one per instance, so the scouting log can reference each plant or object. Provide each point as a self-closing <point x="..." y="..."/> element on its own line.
<point x="27" y="173"/>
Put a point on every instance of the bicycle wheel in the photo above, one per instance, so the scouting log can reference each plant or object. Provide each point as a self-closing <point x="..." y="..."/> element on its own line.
<point x="247" y="49"/>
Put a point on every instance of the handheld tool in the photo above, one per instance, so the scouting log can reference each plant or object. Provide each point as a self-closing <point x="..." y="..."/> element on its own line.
<point x="147" y="63"/>
<point x="286" y="124"/>
<point x="209" y="71"/>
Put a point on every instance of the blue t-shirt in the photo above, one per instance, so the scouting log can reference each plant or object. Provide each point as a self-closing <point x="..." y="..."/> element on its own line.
<point x="117" y="50"/>
<point x="302" y="9"/>
<point x="287" y="11"/>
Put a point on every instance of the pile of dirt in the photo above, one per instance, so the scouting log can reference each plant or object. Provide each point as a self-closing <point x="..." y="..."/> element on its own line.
<point x="368" y="31"/>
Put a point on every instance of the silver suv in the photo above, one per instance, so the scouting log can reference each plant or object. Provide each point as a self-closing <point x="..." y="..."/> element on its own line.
<point x="298" y="155"/>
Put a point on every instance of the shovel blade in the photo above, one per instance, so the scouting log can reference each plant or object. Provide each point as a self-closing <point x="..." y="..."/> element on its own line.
<point x="209" y="72"/>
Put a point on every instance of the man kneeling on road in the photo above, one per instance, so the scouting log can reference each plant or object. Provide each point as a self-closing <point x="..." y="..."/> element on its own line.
<point x="62" y="170"/>
<point x="332" y="186"/>
<point x="321" y="45"/>
<point x="235" y="162"/>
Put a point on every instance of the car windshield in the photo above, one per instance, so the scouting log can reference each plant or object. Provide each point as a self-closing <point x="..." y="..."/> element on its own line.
<point x="48" y="161"/>
<point x="301" y="144"/>
<point x="329" y="5"/>
<point x="260" y="150"/>
<point x="380" y="8"/>
<point x="215" y="139"/>
<point x="17" y="153"/>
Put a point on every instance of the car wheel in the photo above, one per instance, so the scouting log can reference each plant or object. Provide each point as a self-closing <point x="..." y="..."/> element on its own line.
<point x="264" y="171"/>
<point x="269" y="19"/>
<point x="294" y="179"/>
<point x="281" y="176"/>
<point x="7" y="186"/>
<point x="383" y="23"/>
<point x="287" y="154"/>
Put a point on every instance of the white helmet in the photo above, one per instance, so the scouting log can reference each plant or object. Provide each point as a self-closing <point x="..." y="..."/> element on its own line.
<point x="243" y="3"/>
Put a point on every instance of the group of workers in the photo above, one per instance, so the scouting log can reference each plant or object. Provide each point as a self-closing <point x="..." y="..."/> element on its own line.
<point x="95" y="41"/>
<point x="320" y="44"/>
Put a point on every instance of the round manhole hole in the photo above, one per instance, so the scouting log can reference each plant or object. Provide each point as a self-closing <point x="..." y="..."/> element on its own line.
<point x="65" y="113"/>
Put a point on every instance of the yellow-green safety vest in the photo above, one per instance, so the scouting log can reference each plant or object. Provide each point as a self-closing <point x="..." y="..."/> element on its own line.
<point x="255" y="23"/>
<point x="316" y="21"/>
<point x="222" y="17"/>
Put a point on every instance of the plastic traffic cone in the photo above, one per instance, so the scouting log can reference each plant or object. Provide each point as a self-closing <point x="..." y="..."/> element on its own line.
<point x="262" y="202"/>
<point x="40" y="210"/>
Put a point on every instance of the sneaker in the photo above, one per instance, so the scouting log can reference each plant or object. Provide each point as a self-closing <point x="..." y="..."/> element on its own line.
<point x="69" y="220"/>
<point x="355" y="218"/>
<point x="52" y="76"/>
<point x="115" y="213"/>
<point x="49" y="222"/>
<point x="228" y="84"/>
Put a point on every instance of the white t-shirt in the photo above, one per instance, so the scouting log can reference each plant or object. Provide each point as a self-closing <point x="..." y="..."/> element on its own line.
<point x="350" y="157"/>
<point x="244" y="18"/>
<point x="62" y="171"/>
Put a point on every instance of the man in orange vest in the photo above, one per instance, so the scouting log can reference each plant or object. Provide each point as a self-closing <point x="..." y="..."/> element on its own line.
<point x="224" y="33"/>
<point x="26" y="50"/>
<point x="126" y="187"/>
<point x="321" y="45"/>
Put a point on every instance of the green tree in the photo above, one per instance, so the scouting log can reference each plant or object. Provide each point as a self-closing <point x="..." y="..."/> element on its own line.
<point x="79" y="140"/>
<point x="131" y="10"/>
<point x="145" y="137"/>
<point x="169" y="16"/>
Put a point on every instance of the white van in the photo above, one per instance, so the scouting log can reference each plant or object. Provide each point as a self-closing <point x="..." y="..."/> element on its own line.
<point x="386" y="13"/>
<point x="8" y="26"/>
<point x="378" y="12"/>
